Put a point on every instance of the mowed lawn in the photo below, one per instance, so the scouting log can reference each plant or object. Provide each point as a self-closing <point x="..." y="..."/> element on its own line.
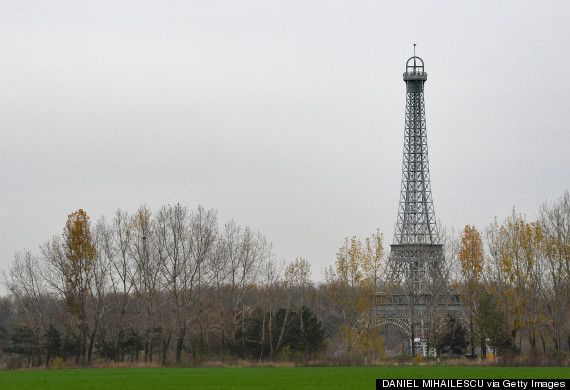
<point x="254" y="377"/>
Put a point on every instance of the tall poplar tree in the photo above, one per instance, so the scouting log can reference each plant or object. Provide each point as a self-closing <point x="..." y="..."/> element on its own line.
<point x="471" y="259"/>
<point x="72" y="259"/>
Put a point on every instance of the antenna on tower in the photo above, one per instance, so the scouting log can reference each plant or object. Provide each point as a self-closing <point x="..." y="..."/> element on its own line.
<point x="414" y="57"/>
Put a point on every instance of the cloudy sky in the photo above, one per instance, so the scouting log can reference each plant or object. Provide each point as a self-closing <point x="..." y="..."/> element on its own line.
<point x="287" y="116"/>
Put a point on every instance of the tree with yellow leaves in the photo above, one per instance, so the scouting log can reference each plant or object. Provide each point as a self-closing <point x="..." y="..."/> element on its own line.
<point x="353" y="285"/>
<point x="471" y="259"/>
<point x="72" y="260"/>
<point x="521" y="262"/>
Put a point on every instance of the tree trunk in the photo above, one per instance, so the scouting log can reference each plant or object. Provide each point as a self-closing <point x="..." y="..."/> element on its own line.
<point x="472" y="336"/>
<point x="262" y="338"/>
<point x="165" y="345"/>
<point x="281" y="333"/>
<point x="270" y="329"/>
<point x="180" y="344"/>
<point x="83" y="348"/>
<point x="146" y="349"/>
<point x="91" y="343"/>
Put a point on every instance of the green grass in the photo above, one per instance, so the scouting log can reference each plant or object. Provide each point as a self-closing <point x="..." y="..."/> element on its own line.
<point x="253" y="378"/>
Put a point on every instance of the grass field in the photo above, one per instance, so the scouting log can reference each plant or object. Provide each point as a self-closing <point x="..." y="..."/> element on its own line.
<point x="253" y="377"/>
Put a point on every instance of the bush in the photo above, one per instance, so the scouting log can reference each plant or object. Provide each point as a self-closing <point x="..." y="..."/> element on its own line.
<point x="286" y="353"/>
<point x="58" y="363"/>
<point x="417" y="360"/>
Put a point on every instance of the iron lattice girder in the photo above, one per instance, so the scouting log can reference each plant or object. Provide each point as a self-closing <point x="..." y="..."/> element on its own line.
<point x="415" y="266"/>
<point x="402" y="305"/>
<point x="416" y="252"/>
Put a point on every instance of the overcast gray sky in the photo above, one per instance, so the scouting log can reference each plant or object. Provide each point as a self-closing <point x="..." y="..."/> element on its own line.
<point x="287" y="116"/>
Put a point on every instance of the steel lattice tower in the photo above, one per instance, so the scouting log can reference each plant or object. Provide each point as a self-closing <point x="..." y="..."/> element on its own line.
<point x="416" y="297"/>
<point x="417" y="292"/>
<point x="416" y="248"/>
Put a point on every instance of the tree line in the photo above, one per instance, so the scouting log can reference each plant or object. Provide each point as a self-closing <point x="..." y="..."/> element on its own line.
<point x="169" y="287"/>
<point x="515" y="280"/>
<point x="177" y="287"/>
<point x="512" y="279"/>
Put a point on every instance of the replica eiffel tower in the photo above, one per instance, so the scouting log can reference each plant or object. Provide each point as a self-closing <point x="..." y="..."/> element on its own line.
<point x="416" y="293"/>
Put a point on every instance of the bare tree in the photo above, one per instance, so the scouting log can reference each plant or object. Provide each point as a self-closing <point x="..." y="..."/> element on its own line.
<point x="172" y="226"/>
<point x="270" y="288"/>
<point x="25" y="280"/>
<point x="203" y="231"/>
<point x="147" y="280"/>
<point x="99" y="286"/>
<point x="555" y="288"/>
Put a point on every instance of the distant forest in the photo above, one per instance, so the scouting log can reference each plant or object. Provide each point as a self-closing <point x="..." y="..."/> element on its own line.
<point x="175" y="287"/>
